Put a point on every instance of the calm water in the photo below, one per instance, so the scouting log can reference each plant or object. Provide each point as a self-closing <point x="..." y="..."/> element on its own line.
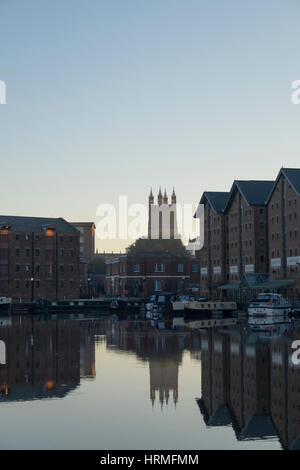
<point x="126" y="384"/>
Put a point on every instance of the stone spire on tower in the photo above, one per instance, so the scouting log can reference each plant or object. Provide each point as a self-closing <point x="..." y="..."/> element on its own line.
<point x="159" y="197"/>
<point x="173" y="196"/>
<point x="151" y="197"/>
<point x="165" y="199"/>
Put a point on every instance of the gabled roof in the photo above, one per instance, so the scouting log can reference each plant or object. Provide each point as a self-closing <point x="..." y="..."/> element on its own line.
<point x="36" y="224"/>
<point x="258" y="427"/>
<point x="255" y="192"/>
<point x="293" y="177"/>
<point x="217" y="200"/>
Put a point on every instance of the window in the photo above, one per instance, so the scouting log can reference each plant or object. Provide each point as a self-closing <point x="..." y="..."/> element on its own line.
<point x="61" y="252"/>
<point x="17" y="268"/>
<point x="157" y="285"/>
<point x="195" y="268"/>
<point x="37" y="252"/>
<point x="17" y="284"/>
<point x="61" y="268"/>
<point x="27" y="268"/>
<point x="27" y="237"/>
<point x="71" y="268"/>
<point x="37" y="268"/>
<point x="180" y="268"/>
<point x="136" y="268"/>
<point x="159" y="268"/>
<point x="27" y="252"/>
<point x="17" y="252"/>
<point x="70" y="252"/>
<point x="61" y="283"/>
<point x="71" y="284"/>
<point x="37" y="284"/>
<point x="37" y="237"/>
<point x="17" y="236"/>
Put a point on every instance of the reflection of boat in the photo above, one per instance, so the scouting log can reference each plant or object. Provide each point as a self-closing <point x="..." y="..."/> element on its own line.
<point x="270" y="325"/>
<point x="269" y="304"/>
<point x="124" y="304"/>
<point x="5" y="303"/>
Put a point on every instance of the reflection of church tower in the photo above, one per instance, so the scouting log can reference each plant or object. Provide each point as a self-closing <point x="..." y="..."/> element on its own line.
<point x="164" y="380"/>
<point x="162" y="222"/>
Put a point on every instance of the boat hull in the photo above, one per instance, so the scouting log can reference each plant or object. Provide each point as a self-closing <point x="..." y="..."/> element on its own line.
<point x="269" y="311"/>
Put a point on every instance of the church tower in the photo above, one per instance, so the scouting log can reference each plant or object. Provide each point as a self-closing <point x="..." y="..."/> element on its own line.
<point x="162" y="222"/>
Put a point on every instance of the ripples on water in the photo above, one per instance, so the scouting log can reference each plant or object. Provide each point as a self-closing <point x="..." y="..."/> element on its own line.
<point x="127" y="383"/>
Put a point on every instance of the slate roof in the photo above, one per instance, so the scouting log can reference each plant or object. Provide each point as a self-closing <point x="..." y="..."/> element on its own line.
<point x="216" y="199"/>
<point x="36" y="224"/>
<point x="255" y="192"/>
<point x="293" y="177"/>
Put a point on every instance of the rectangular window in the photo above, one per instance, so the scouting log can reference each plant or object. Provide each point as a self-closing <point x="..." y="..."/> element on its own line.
<point x="37" y="252"/>
<point x="158" y="285"/>
<point x="159" y="268"/>
<point x="195" y="268"/>
<point x="180" y="268"/>
<point x="136" y="268"/>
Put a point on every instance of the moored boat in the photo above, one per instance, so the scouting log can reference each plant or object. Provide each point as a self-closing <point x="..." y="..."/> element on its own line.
<point x="269" y="304"/>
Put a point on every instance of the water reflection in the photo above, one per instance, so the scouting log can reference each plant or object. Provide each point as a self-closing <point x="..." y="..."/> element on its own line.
<point x="247" y="381"/>
<point x="250" y="383"/>
<point x="161" y="348"/>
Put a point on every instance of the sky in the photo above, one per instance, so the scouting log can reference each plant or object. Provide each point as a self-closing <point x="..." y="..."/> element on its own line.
<point x="112" y="97"/>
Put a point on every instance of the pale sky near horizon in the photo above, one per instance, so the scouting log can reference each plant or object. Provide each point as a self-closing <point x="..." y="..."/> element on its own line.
<point x="111" y="97"/>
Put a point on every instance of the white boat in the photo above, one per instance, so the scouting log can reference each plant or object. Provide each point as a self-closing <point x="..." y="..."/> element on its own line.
<point x="5" y="303"/>
<point x="269" y="304"/>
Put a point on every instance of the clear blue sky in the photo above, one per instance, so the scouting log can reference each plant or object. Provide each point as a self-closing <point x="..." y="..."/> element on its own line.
<point x="109" y="97"/>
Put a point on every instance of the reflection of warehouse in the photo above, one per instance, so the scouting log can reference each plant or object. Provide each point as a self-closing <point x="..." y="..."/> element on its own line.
<point x="251" y="385"/>
<point x="42" y="358"/>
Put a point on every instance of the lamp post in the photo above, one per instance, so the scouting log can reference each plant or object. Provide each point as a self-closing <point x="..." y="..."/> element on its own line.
<point x="89" y="287"/>
<point x="32" y="288"/>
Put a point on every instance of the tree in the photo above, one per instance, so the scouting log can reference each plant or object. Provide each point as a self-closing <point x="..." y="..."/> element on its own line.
<point x="148" y="245"/>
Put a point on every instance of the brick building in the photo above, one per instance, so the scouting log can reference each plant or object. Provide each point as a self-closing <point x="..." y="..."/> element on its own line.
<point x="39" y="258"/>
<point x="284" y="232"/>
<point x="86" y="254"/>
<point x="212" y="255"/>
<point x="246" y="228"/>
<point x="252" y="239"/>
<point x="86" y="240"/>
<point x="143" y="274"/>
